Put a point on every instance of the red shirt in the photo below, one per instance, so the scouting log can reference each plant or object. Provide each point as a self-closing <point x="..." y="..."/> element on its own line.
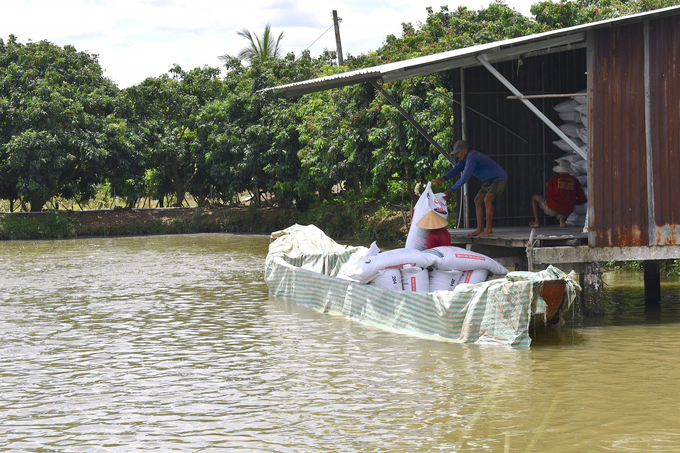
<point x="437" y="238"/>
<point x="562" y="193"/>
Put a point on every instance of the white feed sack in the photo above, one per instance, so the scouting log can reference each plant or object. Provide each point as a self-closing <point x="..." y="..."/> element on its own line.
<point x="415" y="279"/>
<point x="443" y="280"/>
<point x="580" y="167"/>
<point x="571" y="115"/>
<point x="564" y="146"/>
<point x="582" y="110"/>
<point x="566" y="106"/>
<point x="473" y="276"/>
<point x="576" y="220"/>
<point x="450" y="257"/>
<point x="571" y="129"/>
<point x="574" y="112"/>
<point x="388" y="278"/>
<point x="583" y="135"/>
<point x="581" y="209"/>
<point x="366" y="269"/>
<point x="581" y="99"/>
<point x="569" y="157"/>
<point x="428" y="201"/>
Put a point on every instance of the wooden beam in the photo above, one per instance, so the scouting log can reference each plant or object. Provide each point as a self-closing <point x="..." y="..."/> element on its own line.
<point x="541" y="96"/>
<point x="585" y="254"/>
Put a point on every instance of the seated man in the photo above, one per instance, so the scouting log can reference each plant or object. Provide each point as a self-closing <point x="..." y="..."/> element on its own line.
<point x="562" y="193"/>
<point x="437" y="235"/>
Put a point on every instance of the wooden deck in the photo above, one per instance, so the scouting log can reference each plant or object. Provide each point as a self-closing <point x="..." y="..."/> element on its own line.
<point x="548" y="236"/>
<point x="511" y="245"/>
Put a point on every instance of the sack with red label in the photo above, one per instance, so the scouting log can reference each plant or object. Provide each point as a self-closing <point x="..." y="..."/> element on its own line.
<point x="464" y="260"/>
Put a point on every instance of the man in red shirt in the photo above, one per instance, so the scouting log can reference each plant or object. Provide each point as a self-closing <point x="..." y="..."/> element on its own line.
<point x="562" y="193"/>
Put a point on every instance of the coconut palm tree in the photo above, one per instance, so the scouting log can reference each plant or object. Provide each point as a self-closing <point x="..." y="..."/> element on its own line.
<point x="265" y="48"/>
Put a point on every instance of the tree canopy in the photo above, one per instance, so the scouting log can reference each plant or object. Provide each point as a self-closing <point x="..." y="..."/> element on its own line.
<point x="266" y="47"/>
<point x="56" y="108"/>
<point x="67" y="131"/>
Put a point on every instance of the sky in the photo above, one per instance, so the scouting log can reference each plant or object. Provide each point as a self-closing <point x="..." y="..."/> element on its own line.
<point x="136" y="39"/>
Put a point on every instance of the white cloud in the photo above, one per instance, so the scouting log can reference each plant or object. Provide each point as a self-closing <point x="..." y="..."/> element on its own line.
<point x="136" y="39"/>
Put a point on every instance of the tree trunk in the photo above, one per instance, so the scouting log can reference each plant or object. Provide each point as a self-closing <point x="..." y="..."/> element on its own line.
<point x="256" y="195"/>
<point x="37" y="202"/>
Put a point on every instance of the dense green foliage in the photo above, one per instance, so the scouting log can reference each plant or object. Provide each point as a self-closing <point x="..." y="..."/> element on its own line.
<point x="56" y="111"/>
<point x="68" y="133"/>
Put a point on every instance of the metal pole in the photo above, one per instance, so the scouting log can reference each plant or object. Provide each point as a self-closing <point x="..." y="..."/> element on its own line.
<point x="463" y="131"/>
<point x="337" y="36"/>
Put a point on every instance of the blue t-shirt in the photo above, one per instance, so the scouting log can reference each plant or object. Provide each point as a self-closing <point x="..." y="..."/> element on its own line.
<point x="478" y="164"/>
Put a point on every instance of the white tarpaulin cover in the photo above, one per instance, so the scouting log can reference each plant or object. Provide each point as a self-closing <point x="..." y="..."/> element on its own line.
<point x="303" y="263"/>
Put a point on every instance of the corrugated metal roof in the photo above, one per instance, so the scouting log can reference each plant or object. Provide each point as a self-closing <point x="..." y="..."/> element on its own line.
<point x="552" y="41"/>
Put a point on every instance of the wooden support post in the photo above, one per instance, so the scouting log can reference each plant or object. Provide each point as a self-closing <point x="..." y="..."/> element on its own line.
<point x="652" y="279"/>
<point x="592" y="285"/>
<point x="338" y="44"/>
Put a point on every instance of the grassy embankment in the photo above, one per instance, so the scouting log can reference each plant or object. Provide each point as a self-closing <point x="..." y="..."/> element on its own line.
<point x="340" y="220"/>
<point x="336" y="220"/>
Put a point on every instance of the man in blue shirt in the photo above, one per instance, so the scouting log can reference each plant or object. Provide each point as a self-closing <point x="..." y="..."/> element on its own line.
<point x="483" y="167"/>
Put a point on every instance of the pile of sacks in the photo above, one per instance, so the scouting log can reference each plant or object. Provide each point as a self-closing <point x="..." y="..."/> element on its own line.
<point x="574" y="113"/>
<point x="435" y="269"/>
<point x="417" y="269"/>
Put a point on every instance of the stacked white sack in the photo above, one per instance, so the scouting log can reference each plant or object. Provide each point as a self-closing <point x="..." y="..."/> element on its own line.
<point x="456" y="258"/>
<point x="443" y="280"/>
<point x="428" y="201"/>
<point x="388" y="278"/>
<point x="473" y="276"/>
<point x="366" y="269"/>
<point x="415" y="279"/>
<point x="575" y="114"/>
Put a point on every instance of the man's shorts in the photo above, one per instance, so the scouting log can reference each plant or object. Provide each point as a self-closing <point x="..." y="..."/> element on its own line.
<point x="495" y="188"/>
<point x="547" y="210"/>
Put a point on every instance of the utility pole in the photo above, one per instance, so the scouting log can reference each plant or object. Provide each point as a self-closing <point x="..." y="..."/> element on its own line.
<point x="336" y="22"/>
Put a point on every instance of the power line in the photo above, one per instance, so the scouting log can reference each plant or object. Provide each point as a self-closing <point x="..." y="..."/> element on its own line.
<point x="317" y="39"/>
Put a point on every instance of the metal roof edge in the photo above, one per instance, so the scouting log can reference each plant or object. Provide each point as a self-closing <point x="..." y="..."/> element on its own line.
<point x="464" y="57"/>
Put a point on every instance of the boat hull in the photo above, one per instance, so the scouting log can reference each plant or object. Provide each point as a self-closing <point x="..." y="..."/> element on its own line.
<point x="306" y="267"/>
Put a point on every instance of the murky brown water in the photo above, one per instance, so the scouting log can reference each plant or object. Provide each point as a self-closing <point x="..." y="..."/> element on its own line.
<point x="171" y="343"/>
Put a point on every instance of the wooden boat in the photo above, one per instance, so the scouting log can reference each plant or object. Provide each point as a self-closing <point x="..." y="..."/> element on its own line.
<point x="305" y="266"/>
<point x="552" y="292"/>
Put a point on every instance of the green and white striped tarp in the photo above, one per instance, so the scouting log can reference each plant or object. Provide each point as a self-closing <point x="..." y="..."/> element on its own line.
<point x="302" y="265"/>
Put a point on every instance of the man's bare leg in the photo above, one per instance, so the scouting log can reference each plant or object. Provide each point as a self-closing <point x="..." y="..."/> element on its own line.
<point x="488" y="202"/>
<point x="479" y="209"/>
<point x="563" y="223"/>
<point x="534" y="205"/>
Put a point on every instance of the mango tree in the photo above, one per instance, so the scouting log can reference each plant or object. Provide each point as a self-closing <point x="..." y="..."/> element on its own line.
<point x="55" y="108"/>
<point x="163" y="112"/>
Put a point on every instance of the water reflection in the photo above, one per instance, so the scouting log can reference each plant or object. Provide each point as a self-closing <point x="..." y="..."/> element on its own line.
<point x="172" y="343"/>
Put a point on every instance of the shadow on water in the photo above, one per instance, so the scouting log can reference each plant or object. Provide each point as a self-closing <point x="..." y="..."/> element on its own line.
<point x="624" y="302"/>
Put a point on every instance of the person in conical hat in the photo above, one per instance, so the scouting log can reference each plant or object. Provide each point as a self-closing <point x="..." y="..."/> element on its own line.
<point x="562" y="193"/>
<point x="437" y="235"/>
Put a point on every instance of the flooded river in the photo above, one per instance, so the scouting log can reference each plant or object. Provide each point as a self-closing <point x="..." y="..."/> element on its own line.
<point x="171" y="343"/>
